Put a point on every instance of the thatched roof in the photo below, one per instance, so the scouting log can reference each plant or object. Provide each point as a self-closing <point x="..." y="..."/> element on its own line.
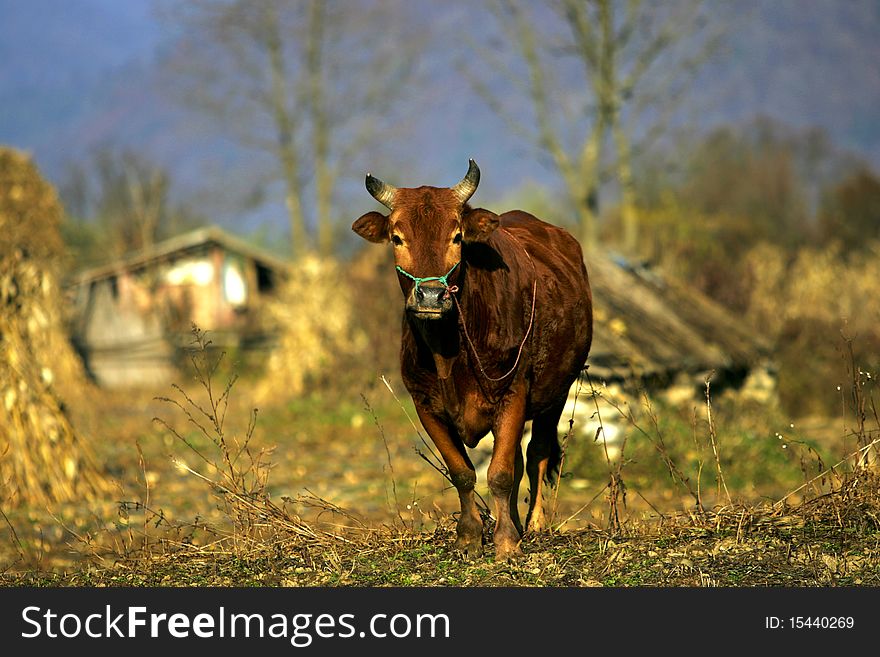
<point x="181" y="244"/>
<point x="653" y="328"/>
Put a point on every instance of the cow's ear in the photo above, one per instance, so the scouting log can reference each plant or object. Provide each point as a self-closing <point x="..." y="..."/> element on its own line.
<point x="478" y="224"/>
<point x="373" y="227"/>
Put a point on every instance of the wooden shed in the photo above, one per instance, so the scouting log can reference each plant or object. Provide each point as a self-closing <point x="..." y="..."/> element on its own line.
<point x="658" y="332"/>
<point x="132" y="316"/>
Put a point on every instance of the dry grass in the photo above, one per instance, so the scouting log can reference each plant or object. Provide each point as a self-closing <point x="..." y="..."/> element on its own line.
<point x="804" y="302"/>
<point x="236" y="472"/>
<point x="733" y="546"/>
<point x="315" y="318"/>
<point x="817" y="284"/>
<point x="247" y="530"/>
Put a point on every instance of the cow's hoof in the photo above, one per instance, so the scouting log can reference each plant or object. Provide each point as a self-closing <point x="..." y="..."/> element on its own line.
<point x="536" y="526"/>
<point x="507" y="552"/>
<point x="471" y="548"/>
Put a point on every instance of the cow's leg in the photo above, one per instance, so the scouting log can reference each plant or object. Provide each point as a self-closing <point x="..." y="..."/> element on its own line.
<point x="502" y="476"/>
<point x="514" y="496"/>
<point x="470" y="526"/>
<point x="543" y="448"/>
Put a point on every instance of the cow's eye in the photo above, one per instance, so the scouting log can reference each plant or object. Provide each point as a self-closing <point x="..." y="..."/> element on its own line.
<point x="457" y="239"/>
<point x="395" y="239"/>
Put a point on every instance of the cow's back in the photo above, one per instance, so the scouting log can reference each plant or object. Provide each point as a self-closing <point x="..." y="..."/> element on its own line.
<point x="562" y="329"/>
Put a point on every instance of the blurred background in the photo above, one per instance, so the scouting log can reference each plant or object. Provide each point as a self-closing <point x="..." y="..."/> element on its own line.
<point x="720" y="162"/>
<point x="206" y="96"/>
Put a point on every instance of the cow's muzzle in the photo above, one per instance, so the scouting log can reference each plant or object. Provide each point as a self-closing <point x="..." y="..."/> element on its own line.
<point x="431" y="296"/>
<point x="429" y="300"/>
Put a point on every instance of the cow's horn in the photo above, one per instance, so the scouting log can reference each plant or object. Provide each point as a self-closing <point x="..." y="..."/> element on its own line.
<point x="381" y="191"/>
<point x="468" y="185"/>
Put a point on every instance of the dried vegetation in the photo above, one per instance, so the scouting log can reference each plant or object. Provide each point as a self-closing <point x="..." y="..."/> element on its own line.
<point x="825" y="532"/>
<point x="43" y="460"/>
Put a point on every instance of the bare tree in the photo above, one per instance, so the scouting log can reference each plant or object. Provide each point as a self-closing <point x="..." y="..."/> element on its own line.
<point x="300" y="80"/>
<point x="127" y="196"/>
<point x="119" y="202"/>
<point x="629" y="62"/>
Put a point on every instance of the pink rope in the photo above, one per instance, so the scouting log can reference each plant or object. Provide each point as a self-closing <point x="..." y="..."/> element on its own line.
<point x="522" y="344"/>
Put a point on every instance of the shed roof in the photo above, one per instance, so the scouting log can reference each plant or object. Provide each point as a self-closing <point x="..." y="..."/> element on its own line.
<point x="180" y="244"/>
<point x="648" y="325"/>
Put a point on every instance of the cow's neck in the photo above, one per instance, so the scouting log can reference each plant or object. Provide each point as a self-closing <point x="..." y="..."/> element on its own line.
<point x="442" y="340"/>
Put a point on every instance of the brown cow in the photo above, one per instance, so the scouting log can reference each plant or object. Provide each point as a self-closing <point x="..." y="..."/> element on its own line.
<point x="497" y="325"/>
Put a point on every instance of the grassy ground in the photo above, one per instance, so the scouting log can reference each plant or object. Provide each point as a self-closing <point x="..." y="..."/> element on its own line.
<point x="335" y="490"/>
<point x="718" y="551"/>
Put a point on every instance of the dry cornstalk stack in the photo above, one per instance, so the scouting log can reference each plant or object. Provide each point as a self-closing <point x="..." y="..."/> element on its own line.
<point x="42" y="459"/>
<point x="314" y="316"/>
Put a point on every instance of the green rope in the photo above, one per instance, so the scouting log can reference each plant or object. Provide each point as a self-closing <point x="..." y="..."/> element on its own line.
<point x="419" y="281"/>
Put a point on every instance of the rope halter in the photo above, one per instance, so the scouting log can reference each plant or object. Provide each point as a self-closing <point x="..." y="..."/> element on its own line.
<point x="443" y="279"/>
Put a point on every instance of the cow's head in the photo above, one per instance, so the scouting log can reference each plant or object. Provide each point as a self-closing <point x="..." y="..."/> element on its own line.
<point x="427" y="227"/>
